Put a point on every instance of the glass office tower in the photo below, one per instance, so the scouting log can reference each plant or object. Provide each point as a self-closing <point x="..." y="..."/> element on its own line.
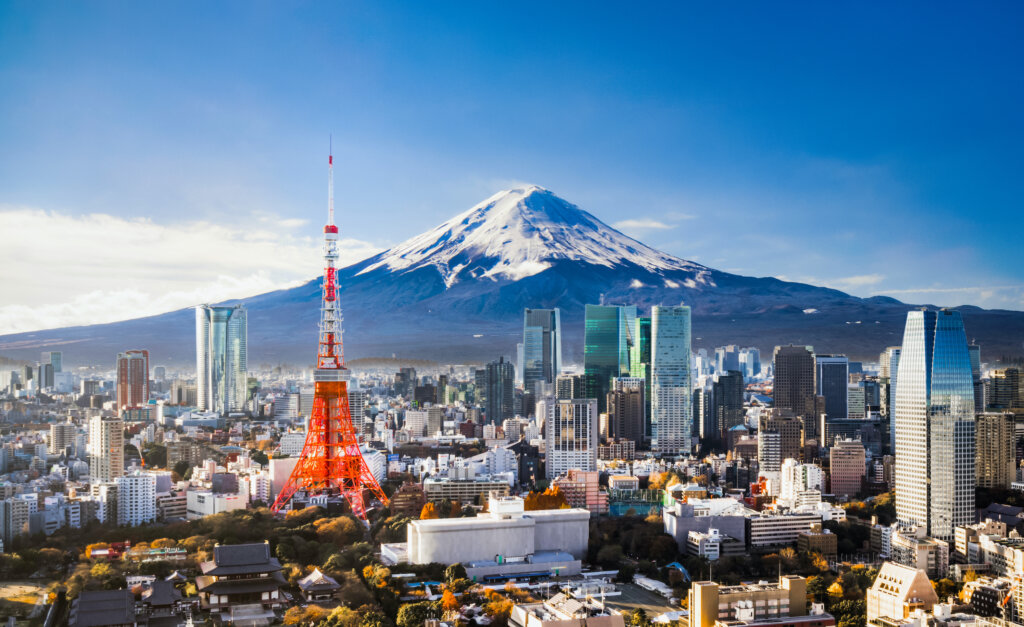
<point x="640" y="365"/>
<point x="542" y="347"/>
<point x="606" y="340"/>
<point x="935" y="465"/>
<point x="832" y="378"/>
<point x="671" y="385"/>
<point x="221" y="358"/>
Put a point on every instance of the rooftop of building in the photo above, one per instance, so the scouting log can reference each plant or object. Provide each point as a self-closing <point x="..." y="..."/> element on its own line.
<point x="102" y="607"/>
<point x="240" y="559"/>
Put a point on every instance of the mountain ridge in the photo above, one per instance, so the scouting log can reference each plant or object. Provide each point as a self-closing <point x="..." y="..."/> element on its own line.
<point x="456" y="292"/>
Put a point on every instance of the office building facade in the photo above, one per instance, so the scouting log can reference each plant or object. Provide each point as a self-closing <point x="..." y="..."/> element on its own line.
<point x="671" y="383"/>
<point x="606" y="340"/>
<point x="221" y="358"/>
<point x="935" y="457"/>
<point x="832" y="378"/>
<point x="542" y="347"/>
<point x="571" y="435"/>
<point x="105" y="448"/>
<point x="132" y="379"/>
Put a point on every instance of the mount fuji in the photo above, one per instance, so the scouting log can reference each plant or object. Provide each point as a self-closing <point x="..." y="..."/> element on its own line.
<point x="456" y="294"/>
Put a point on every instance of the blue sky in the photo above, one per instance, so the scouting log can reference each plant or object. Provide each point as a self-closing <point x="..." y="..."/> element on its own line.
<point x="871" y="148"/>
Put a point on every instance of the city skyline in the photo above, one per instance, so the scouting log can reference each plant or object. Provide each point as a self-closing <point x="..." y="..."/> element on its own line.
<point x="839" y="133"/>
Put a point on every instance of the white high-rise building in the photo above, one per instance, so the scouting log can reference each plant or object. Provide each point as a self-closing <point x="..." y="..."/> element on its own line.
<point x="571" y="434"/>
<point x="671" y="384"/>
<point x="935" y="465"/>
<point x="221" y="358"/>
<point x="106" y="448"/>
<point x="800" y="484"/>
<point x="136" y="499"/>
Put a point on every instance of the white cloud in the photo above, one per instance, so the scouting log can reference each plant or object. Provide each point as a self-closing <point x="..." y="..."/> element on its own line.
<point x="859" y="280"/>
<point x="68" y="270"/>
<point x="840" y="283"/>
<point x="641" y="224"/>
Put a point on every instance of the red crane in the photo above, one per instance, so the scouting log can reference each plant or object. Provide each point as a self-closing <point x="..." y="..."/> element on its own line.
<point x="331" y="463"/>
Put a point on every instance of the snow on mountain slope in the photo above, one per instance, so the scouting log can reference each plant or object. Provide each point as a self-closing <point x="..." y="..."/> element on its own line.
<point x="518" y="233"/>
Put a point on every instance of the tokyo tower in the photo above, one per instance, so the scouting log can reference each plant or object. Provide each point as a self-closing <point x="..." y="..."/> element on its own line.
<point x="331" y="463"/>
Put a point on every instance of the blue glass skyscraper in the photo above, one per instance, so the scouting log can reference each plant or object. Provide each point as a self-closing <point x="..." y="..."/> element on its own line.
<point x="221" y="358"/>
<point x="671" y="384"/>
<point x="935" y="464"/>
<point x="542" y="347"/>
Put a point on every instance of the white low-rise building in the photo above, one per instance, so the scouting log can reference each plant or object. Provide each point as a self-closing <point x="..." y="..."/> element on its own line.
<point x="504" y="541"/>
<point x="202" y="503"/>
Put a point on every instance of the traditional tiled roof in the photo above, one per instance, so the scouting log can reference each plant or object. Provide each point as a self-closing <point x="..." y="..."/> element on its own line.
<point x="316" y="581"/>
<point x="96" y="608"/>
<point x="161" y="593"/>
<point x="210" y="585"/>
<point x="241" y="559"/>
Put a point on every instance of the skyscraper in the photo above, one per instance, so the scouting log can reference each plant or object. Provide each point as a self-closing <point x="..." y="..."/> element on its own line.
<point x="671" y="386"/>
<point x="935" y="462"/>
<point x="606" y="336"/>
<point x="570" y="432"/>
<point x="105" y="448"/>
<point x="626" y="410"/>
<point x="727" y="401"/>
<point x="640" y="364"/>
<point x="500" y="391"/>
<point x="996" y="447"/>
<point x="542" y="347"/>
<point x="221" y="358"/>
<point x="55" y="359"/>
<point x="794" y="378"/>
<point x="750" y="362"/>
<point x="132" y="379"/>
<point x="727" y="358"/>
<point x="889" y="364"/>
<point x="832" y="376"/>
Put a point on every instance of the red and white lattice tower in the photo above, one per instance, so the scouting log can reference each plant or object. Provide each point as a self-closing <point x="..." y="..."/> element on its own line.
<point x="331" y="463"/>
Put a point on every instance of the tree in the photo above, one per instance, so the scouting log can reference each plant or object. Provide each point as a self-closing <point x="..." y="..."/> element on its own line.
<point x="155" y="455"/>
<point x="309" y="615"/>
<point x="414" y="614"/>
<point x="341" y="617"/>
<point x="163" y="543"/>
<point x="945" y="588"/>
<point x="449" y="603"/>
<point x="609" y="555"/>
<point x="429" y="512"/>
<point x="341" y="530"/>
<point x="182" y="467"/>
<point x="638" y="618"/>
<point x="259" y="457"/>
<point x="455" y="571"/>
<point x="372" y="616"/>
<point x="835" y="591"/>
<point x="970" y="575"/>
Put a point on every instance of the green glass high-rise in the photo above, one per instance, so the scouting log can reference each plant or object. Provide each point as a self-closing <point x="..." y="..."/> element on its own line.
<point x="606" y="340"/>
<point x="640" y="364"/>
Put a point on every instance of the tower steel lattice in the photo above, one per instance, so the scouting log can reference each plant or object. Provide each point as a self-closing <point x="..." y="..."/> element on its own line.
<point x="331" y="462"/>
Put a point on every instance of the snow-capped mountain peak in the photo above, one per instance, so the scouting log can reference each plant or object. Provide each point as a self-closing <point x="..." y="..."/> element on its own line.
<point x="520" y="232"/>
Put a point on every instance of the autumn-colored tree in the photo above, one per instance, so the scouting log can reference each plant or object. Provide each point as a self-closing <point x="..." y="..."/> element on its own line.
<point x="970" y="575"/>
<point x="836" y="590"/>
<point x="309" y="615"/>
<point x="449" y="603"/>
<point x="341" y="530"/>
<point x="499" y="612"/>
<point x="164" y="543"/>
<point x="428" y="512"/>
